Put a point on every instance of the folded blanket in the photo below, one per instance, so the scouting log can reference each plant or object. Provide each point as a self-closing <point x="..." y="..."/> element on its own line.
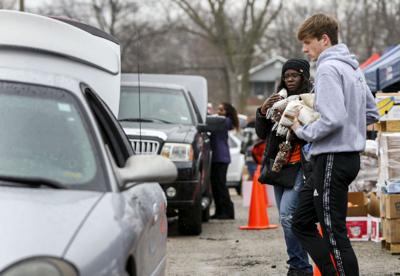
<point x="283" y="114"/>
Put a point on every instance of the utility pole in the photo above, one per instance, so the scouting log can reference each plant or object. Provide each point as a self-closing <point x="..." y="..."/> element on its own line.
<point x="21" y="5"/>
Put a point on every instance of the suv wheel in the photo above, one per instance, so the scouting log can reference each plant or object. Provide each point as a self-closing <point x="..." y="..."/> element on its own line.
<point x="189" y="220"/>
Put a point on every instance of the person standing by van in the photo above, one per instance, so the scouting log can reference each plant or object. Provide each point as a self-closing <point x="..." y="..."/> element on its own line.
<point x="221" y="158"/>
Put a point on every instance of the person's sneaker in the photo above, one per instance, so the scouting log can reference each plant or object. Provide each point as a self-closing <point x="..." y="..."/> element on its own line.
<point x="221" y="216"/>
<point x="294" y="272"/>
<point x="214" y="216"/>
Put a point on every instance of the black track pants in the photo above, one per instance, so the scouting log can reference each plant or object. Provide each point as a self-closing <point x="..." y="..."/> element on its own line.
<point x="324" y="199"/>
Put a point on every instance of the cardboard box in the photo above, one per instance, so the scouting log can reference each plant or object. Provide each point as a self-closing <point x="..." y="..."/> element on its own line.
<point x="382" y="205"/>
<point x="373" y="207"/>
<point x="376" y="229"/>
<point x="391" y="230"/>
<point x="392" y="202"/>
<point x="358" y="228"/>
<point x="388" y="126"/>
<point x="357" y="204"/>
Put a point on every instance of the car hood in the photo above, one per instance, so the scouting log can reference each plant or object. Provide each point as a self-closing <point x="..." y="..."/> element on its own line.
<point x="166" y="132"/>
<point x="40" y="222"/>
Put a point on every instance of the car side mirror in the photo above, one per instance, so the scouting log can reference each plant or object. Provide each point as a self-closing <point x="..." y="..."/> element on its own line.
<point x="147" y="168"/>
<point x="213" y="123"/>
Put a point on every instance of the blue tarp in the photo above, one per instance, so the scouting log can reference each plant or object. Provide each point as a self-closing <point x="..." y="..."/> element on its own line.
<point x="385" y="71"/>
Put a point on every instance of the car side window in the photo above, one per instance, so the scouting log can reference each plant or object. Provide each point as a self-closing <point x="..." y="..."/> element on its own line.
<point x="112" y="131"/>
<point x="196" y="108"/>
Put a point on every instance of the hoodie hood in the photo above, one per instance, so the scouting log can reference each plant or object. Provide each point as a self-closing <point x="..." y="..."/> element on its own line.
<point x="338" y="52"/>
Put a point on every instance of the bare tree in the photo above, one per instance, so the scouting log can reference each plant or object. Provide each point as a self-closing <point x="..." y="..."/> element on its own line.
<point x="366" y="26"/>
<point x="234" y="35"/>
<point x="281" y="39"/>
<point x="116" y="17"/>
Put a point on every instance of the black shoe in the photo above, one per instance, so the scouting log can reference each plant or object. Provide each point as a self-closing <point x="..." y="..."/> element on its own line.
<point x="222" y="216"/>
<point x="295" y="272"/>
<point x="214" y="216"/>
<point x="292" y="272"/>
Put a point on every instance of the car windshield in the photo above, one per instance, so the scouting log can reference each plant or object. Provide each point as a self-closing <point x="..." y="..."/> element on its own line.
<point x="44" y="136"/>
<point x="159" y="105"/>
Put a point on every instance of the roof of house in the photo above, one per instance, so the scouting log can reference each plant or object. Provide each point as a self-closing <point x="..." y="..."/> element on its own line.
<point x="268" y="71"/>
<point x="266" y="63"/>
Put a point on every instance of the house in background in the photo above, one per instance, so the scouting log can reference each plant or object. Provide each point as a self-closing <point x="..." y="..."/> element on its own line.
<point x="264" y="78"/>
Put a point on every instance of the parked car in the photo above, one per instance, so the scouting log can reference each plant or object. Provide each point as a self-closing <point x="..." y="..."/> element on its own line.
<point x="235" y="170"/>
<point x="172" y="122"/>
<point x="75" y="200"/>
<point x="249" y="140"/>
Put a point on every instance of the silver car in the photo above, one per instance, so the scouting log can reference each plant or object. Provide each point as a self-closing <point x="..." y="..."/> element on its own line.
<point x="74" y="199"/>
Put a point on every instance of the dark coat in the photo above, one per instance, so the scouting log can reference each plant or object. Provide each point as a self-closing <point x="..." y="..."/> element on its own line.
<point x="219" y="143"/>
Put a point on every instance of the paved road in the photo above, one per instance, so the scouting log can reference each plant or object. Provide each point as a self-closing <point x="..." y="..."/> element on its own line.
<point x="223" y="249"/>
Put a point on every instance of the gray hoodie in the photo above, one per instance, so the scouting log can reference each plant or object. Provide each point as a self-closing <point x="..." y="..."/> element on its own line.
<point x="343" y="100"/>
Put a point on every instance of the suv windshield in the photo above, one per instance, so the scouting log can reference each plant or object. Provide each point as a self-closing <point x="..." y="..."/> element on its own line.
<point x="159" y="105"/>
<point x="44" y="137"/>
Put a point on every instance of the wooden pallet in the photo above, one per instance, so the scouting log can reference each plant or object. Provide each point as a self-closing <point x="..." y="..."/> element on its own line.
<point x="393" y="248"/>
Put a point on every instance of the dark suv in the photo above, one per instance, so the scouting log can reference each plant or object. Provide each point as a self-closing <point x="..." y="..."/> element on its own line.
<point x="166" y="114"/>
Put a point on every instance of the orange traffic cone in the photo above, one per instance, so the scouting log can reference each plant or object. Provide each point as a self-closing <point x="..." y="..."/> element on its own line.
<point x="258" y="215"/>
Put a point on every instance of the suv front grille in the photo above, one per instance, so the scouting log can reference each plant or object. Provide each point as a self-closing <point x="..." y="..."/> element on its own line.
<point x="141" y="146"/>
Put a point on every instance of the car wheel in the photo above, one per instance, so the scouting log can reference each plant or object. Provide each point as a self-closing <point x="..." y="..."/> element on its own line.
<point x="189" y="220"/>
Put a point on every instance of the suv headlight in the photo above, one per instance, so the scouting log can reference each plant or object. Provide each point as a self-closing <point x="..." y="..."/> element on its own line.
<point x="177" y="152"/>
<point x="41" y="266"/>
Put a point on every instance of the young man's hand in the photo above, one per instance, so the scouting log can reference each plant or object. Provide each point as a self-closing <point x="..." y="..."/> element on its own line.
<point x="270" y="102"/>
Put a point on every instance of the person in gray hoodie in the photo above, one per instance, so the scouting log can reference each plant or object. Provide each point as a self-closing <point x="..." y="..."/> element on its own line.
<point x="346" y="107"/>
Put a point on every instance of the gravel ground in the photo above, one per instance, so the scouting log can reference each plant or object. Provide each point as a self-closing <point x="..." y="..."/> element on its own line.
<point x="223" y="249"/>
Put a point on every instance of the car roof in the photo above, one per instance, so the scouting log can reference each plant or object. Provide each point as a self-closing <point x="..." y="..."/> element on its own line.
<point x="85" y="27"/>
<point x="20" y="30"/>
<point x="153" y="84"/>
<point x="62" y="47"/>
<point x="197" y="85"/>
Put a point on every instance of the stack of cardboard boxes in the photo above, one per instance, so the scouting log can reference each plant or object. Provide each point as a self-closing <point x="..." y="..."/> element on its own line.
<point x="389" y="168"/>
<point x="390" y="213"/>
<point x="363" y="222"/>
<point x="357" y="222"/>
<point x="374" y="217"/>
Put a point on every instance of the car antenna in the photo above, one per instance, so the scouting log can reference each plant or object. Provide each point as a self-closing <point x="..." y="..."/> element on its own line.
<point x="139" y="98"/>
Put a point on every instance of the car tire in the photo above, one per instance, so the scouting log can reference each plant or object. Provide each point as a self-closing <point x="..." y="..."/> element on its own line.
<point x="189" y="220"/>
